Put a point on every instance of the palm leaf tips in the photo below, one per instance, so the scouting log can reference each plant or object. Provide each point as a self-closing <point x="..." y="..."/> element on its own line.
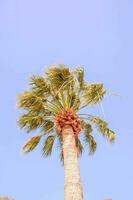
<point x="79" y="146"/>
<point x="93" y="93"/>
<point x="102" y="127"/>
<point x="30" y="101"/>
<point x="47" y="148"/>
<point x="39" y="85"/>
<point x="88" y="138"/>
<point x="48" y="127"/>
<point x="31" y="144"/>
<point x="31" y="121"/>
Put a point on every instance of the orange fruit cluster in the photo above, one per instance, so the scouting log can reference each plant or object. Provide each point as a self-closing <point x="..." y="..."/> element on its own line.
<point x="68" y="117"/>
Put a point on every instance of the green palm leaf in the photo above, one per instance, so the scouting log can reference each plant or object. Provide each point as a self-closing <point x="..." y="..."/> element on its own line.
<point x="48" y="127"/>
<point x="30" y="101"/>
<point x="31" y="121"/>
<point x="47" y="148"/>
<point x="39" y="85"/>
<point x="92" y="94"/>
<point x="79" y="145"/>
<point x="88" y="138"/>
<point x="74" y="101"/>
<point x="102" y="127"/>
<point x="31" y="144"/>
<point x="59" y="77"/>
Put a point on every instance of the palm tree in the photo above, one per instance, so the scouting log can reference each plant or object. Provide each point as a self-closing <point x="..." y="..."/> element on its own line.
<point x="53" y="105"/>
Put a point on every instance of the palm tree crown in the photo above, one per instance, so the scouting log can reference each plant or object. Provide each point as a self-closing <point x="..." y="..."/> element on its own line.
<point x="55" y="100"/>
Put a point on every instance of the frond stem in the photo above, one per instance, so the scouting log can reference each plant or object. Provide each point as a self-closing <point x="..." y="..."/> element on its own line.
<point x="64" y="85"/>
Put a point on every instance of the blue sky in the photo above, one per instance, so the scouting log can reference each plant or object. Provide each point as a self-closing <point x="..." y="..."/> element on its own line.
<point x="94" y="34"/>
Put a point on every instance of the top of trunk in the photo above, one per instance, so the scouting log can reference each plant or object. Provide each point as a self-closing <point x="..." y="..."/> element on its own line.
<point x="68" y="118"/>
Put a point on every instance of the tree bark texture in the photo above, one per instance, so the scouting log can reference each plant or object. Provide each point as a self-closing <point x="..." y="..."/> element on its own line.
<point x="73" y="187"/>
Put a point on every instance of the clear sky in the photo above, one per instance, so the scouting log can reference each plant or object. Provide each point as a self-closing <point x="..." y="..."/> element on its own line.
<point x="96" y="35"/>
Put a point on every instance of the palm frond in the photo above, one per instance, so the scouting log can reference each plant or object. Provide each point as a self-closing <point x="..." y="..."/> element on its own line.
<point x="88" y="138"/>
<point x="79" y="145"/>
<point x="31" y="144"/>
<point x="80" y="76"/>
<point x="48" y="127"/>
<point x="68" y="99"/>
<point x="59" y="77"/>
<point x="74" y="101"/>
<point x="47" y="148"/>
<point x="39" y="85"/>
<point x="102" y="127"/>
<point x="31" y="121"/>
<point x="51" y="107"/>
<point x="110" y="135"/>
<point x="30" y="101"/>
<point x="61" y="96"/>
<point x="86" y="127"/>
<point x="92" y="94"/>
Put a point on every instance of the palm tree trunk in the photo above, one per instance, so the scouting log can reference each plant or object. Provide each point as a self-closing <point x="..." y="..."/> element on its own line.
<point x="73" y="187"/>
